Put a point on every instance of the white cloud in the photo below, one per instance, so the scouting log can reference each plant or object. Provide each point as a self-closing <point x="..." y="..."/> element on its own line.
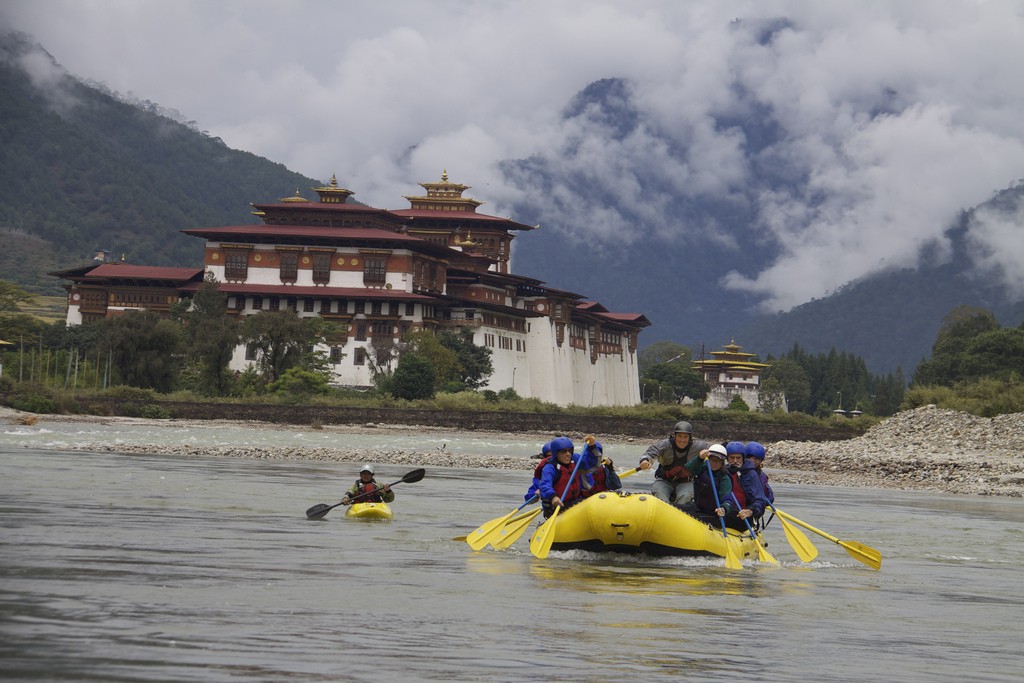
<point x="998" y="236"/>
<point x="890" y="117"/>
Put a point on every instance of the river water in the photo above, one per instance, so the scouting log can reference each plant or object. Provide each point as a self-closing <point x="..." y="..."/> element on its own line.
<point x="173" y="568"/>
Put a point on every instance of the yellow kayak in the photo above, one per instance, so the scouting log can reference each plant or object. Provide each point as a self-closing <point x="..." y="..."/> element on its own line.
<point x="618" y="521"/>
<point x="369" y="511"/>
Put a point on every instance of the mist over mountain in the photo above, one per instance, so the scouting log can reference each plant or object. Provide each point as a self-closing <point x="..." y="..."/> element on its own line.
<point x="682" y="272"/>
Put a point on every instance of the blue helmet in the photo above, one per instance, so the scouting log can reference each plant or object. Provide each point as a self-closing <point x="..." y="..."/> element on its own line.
<point x="561" y="443"/>
<point x="545" y="450"/>
<point x="754" y="450"/>
<point x="736" y="447"/>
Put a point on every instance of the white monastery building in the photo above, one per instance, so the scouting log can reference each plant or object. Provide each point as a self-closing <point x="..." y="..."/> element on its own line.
<point x="378" y="273"/>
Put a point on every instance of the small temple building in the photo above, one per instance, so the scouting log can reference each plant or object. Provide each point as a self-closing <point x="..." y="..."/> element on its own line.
<point x="377" y="274"/>
<point x="728" y="373"/>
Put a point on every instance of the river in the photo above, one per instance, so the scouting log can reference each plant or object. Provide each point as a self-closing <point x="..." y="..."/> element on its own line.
<point x="181" y="568"/>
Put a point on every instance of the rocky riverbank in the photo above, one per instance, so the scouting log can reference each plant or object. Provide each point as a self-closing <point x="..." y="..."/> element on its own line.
<point x="927" y="448"/>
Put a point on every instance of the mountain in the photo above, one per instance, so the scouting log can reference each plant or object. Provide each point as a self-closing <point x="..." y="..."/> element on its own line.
<point x="890" y="319"/>
<point x="81" y="170"/>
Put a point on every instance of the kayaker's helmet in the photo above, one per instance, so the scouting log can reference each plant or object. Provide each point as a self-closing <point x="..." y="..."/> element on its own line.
<point x="735" y="447"/>
<point x="717" y="451"/>
<point x="561" y="443"/>
<point x="367" y="468"/>
<point x="754" y="450"/>
<point x="683" y="426"/>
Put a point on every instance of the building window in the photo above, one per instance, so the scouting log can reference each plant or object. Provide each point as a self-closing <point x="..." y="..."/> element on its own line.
<point x="375" y="270"/>
<point x="321" y="268"/>
<point x="236" y="264"/>
<point x="360" y="307"/>
<point x="257" y="303"/>
<point x="359" y="357"/>
<point x="376" y="308"/>
<point x="250" y="352"/>
<point x="360" y="332"/>
<point x="289" y="266"/>
<point x="239" y="303"/>
<point x="307" y="305"/>
<point x="336" y="355"/>
<point x="410" y="309"/>
<point x="274" y="304"/>
<point x="380" y="329"/>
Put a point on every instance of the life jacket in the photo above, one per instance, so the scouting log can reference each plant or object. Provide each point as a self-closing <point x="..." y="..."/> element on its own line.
<point x="562" y="481"/>
<point x="600" y="478"/>
<point x="371" y="490"/>
<point x="737" y="489"/>
<point x="676" y="472"/>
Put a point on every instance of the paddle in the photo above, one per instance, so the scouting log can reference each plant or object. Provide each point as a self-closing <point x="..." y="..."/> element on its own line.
<point x="762" y="554"/>
<point x="515" y="527"/>
<point x="540" y="544"/>
<point x="318" y="511"/>
<point x="858" y="551"/>
<point x="798" y="540"/>
<point x="483" y="534"/>
<point x="731" y="561"/>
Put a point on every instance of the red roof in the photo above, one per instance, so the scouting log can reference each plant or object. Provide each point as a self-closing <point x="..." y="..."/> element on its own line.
<point x="462" y="216"/>
<point x="122" y="271"/>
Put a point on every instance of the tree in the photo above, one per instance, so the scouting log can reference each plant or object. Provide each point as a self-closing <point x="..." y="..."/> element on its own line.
<point x="211" y="336"/>
<point x="662" y="352"/>
<point x="950" y="351"/>
<point x="145" y="349"/>
<point x="11" y="297"/>
<point x="414" y="378"/>
<point x="737" y="403"/>
<point x="771" y="396"/>
<point x="683" y="379"/>
<point x="284" y="340"/>
<point x="474" y="362"/>
<point x="793" y="381"/>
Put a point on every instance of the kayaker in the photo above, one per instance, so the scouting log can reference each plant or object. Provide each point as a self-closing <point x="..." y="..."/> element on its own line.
<point x="556" y="488"/>
<point x="708" y="469"/>
<point x="375" y="493"/>
<point x="673" y="483"/>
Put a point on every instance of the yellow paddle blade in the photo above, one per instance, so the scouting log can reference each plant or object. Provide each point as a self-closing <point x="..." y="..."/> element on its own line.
<point x="731" y="560"/>
<point x="858" y="551"/>
<point x="482" y="535"/>
<point x="799" y="542"/>
<point x="863" y="553"/>
<point x="540" y="544"/>
<point x="763" y="554"/>
<point x="515" y="528"/>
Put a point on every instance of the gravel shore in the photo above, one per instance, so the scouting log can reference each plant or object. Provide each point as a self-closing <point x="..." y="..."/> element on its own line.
<point x="923" y="449"/>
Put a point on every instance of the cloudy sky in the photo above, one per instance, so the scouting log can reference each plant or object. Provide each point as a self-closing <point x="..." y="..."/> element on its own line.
<point x="890" y="116"/>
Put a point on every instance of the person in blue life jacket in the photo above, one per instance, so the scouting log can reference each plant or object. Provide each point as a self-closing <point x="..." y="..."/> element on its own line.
<point x="558" y="487"/>
<point x="673" y="483"/>
<point x="375" y="493"/>
<point x="708" y="468"/>
<point x="755" y="479"/>
<point x="745" y="491"/>
<point x="544" y="456"/>
<point x="604" y="477"/>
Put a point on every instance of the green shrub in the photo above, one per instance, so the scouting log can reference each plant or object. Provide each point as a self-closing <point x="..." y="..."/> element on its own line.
<point x="34" y="403"/>
<point x="155" y="412"/>
<point x="130" y="393"/>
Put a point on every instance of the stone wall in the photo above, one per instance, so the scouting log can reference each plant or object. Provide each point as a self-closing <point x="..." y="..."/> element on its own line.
<point x="470" y="420"/>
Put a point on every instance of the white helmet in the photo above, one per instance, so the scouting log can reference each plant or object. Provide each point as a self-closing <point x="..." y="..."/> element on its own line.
<point x="717" y="450"/>
<point x="367" y="468"/>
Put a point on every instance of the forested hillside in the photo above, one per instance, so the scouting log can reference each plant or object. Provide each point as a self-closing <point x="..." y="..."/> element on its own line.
<point x="81" y="170"/>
